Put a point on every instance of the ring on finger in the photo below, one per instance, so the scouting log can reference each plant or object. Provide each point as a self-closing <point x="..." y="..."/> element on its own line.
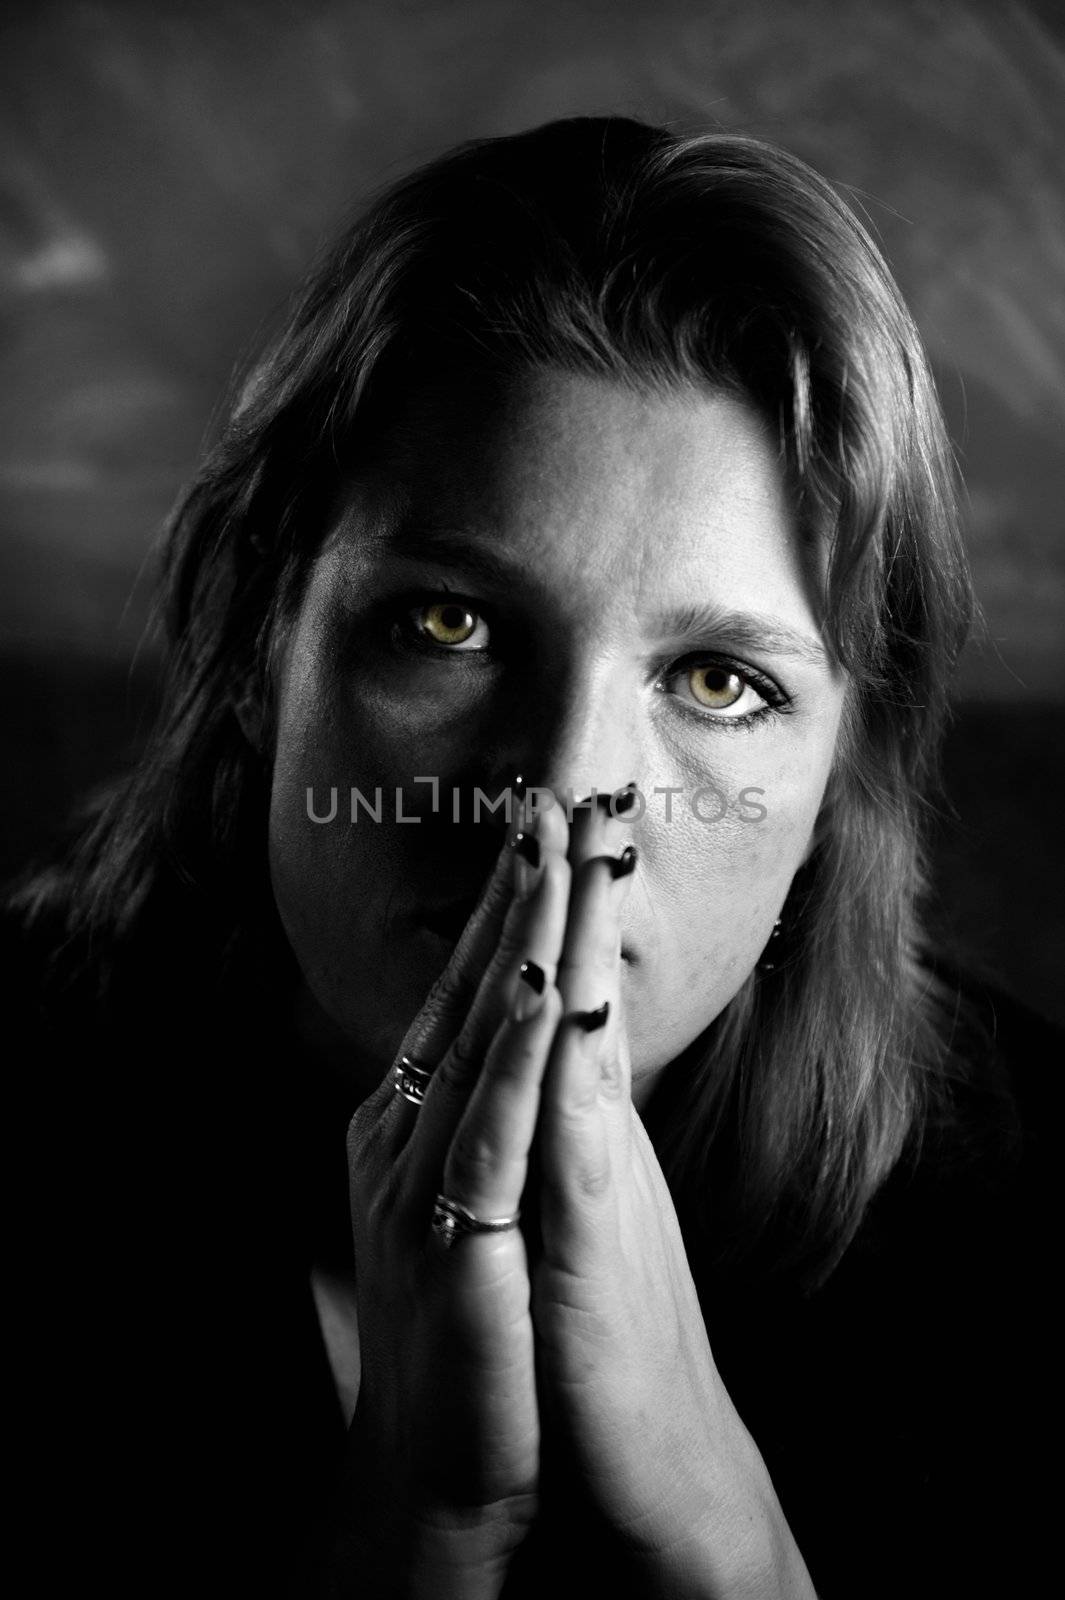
<point x="451" y="1220"/>
<point x="410" y="1078"/>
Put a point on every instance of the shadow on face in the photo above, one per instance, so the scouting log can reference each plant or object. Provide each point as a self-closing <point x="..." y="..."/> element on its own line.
<point x="588" y="585"/>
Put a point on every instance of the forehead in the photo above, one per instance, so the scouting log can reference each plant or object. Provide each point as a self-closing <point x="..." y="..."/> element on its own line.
<point x="589" y="485"/>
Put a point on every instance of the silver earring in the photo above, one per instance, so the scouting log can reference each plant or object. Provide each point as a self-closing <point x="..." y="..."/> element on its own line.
<point x="767" y="960"/>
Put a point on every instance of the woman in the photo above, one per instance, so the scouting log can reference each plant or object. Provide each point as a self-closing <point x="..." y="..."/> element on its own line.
<point x="560" y="634"/>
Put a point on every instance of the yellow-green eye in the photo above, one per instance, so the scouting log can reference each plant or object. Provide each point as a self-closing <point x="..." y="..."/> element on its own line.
<point x="715" y="687"/>
<point x="452" y="625"/>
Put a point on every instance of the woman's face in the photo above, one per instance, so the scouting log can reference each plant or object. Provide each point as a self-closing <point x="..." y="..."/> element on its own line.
<point x="586" y="586"/>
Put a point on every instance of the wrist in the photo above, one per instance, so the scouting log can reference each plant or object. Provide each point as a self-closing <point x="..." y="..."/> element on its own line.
<point x="464" y="1553"/>
<point x="445" y="1555"/>
<point x="735" y="1548"/>
<point x="395" y="1539"/>
<point x="718" y="1532"/>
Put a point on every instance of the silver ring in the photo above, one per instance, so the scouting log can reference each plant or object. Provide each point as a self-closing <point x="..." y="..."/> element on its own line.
<point x="411" y="1079"/>
<point x="451" y="1221"/>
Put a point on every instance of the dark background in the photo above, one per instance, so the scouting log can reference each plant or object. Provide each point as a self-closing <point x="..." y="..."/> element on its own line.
<point x="167" y="170"/>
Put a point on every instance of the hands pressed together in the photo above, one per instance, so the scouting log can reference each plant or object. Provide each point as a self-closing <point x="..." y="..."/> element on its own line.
<point x="582" y="1323"/>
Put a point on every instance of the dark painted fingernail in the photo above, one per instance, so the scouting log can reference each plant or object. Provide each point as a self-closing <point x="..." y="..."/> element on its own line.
<point x="533" y="975"/>
<point x="618" y="802"/>
<point x="528" y="848"/>
<point x="591" y="1020"/>
<point x="528" y="999"/>
<point x="622" y="865"/>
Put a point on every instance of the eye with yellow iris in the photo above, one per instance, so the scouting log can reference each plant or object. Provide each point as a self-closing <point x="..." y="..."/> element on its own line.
<point x="449" y="625"/>
<point x="739" y="696"/>
<point x="717" y="688"/>
<point x="720" y="690"/>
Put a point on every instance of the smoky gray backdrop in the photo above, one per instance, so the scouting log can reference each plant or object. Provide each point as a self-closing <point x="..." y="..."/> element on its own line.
<point x="167" y="171"/>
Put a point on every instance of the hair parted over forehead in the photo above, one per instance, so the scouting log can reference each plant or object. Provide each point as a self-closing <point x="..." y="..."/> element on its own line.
<point x="607" y="247"/>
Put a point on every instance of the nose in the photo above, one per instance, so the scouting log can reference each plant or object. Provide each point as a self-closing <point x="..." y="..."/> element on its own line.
<point x="583" y="734"/>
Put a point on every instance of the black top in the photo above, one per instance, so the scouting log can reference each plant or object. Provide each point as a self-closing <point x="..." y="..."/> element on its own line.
<point x="176" y="1425"/>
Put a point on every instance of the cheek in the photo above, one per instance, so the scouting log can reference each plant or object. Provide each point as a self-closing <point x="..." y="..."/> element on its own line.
<point x="334" y="886"/>
<point x="342" y="887"/>
<point x="705" y="909"/>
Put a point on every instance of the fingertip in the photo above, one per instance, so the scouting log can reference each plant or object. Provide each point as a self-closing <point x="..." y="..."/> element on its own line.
<point x="591" y="1021"/>
<point x="532" y="974"/>
<point x="528" y="991"/>
<point x="534" y="994"/>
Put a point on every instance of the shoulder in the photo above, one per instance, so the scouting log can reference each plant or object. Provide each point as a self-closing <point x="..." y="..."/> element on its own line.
<point x="966" y="1215"/>
<point x="993" y="1108"/>
<point x="33" y="931"/>
<point x="906" y="1394"/>
<point x="152" y="1256"/>
<point x="1007" y="1050"/>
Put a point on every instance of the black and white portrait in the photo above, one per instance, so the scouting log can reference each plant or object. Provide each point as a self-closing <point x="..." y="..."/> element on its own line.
<point x="532" y="685"/>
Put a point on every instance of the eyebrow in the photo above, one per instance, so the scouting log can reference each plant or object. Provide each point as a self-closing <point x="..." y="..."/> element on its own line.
<point x="745" y="629"/>
<point x="448" y="547"/>
<point x="692" y="623"/>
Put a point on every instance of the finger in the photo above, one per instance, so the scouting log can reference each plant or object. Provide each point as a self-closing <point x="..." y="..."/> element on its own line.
<point x="533" y="929"/>
<point x="488" y="1158"/>
<point x="604" y="860"/>
<point x="533" y="932"/>
<point x="387" y="1117"/>
<point x="585" y="1101"/>
<point x="448" y="1001"/>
